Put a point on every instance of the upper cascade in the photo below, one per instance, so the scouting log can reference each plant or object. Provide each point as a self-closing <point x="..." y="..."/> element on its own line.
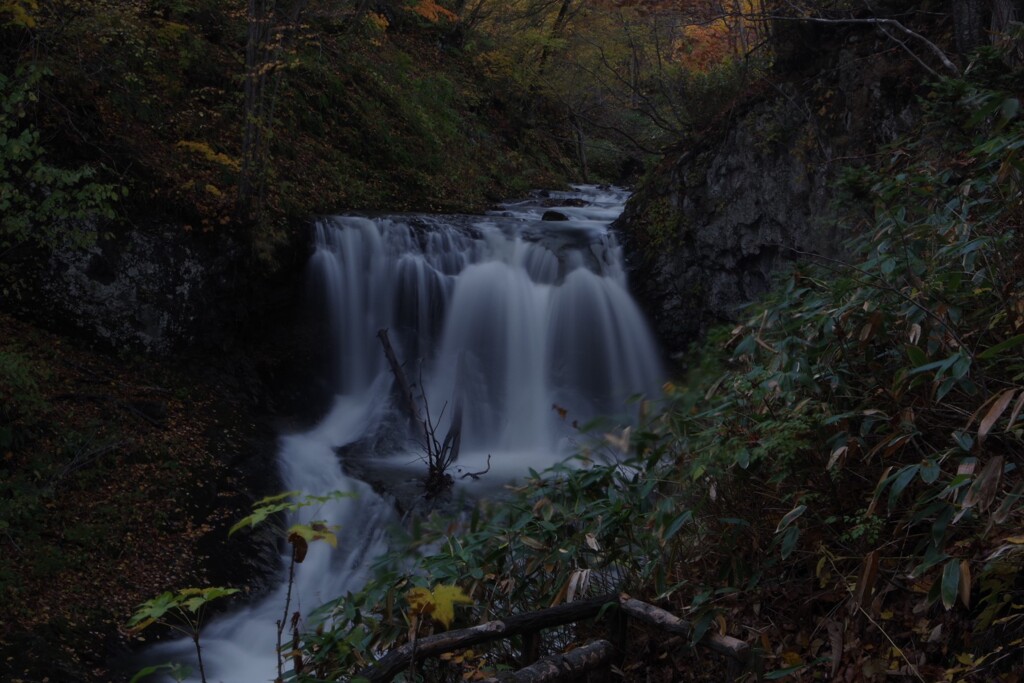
<point x="508" y="314"/>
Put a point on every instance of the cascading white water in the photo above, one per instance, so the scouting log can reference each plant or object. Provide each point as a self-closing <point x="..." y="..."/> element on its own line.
<point x="508" y="314"/>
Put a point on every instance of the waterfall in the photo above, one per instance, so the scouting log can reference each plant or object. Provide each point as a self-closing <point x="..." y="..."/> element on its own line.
<point x="518" y="319"/>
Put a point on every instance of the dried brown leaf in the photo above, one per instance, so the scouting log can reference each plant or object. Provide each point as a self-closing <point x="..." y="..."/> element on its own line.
<point x="866" y="581"/>
<point x="999" y="406"/>
<point x="299" y="547"/>
<point x="1016" y="411"/>
<point x="835" y="638"/>
<point x="984" y="489"/>
<point x="878" y="490"/>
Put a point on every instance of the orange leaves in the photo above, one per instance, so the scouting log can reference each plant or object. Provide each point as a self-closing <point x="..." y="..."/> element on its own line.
<point x="718" y="31"/>
<point x="432" y="12"/>
<point x="703" y="46"/>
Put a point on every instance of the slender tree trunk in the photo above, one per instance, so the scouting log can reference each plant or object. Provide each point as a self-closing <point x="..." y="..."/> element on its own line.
<point x="581" y="148"/>
<point x="1006" y="15"/>
<point x="556" y="31"/>
<point x="263" y="73"/>
<point x="968" y="25"/>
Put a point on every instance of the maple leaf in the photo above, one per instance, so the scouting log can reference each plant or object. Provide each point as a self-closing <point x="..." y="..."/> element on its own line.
<point x="439" y="603"/>
<point x="421" y="600"/>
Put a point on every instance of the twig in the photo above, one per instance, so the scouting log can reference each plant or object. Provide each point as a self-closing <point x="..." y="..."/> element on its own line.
<point x="476" y="475"/>
<point x="894" y="645"/>
<point x="879" y="22"/>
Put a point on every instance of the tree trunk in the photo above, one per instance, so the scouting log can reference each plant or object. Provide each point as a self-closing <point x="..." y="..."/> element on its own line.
<point x="581" y="148"/>
<point x="968" y="25"/>
<point x="1006" y="17"/>
<point x="556" y="31"/>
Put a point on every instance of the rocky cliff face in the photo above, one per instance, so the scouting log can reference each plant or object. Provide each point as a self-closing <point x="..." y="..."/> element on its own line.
<point x="707" y="228"/>
<point x="159" y="292"/>
<point x="150" y="290"/>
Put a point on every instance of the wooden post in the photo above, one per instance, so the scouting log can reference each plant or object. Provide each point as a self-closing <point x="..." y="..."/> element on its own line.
<point x="531" y="648"/>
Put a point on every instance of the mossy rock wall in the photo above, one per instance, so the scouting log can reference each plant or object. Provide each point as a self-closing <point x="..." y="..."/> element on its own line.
<point x="709" y="226"/>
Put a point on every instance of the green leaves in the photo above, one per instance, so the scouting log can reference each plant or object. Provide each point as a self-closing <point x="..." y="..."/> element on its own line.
<point x="289" y="501"/>
<point x="996" y="350"/>
<point x="40" y="204"/>
<point x="790" y="517"/>
<point x="950" y="583"/>
<point x="184" y="604"/>
<point x="178" y="672"/>
<point x="264" y="508"/>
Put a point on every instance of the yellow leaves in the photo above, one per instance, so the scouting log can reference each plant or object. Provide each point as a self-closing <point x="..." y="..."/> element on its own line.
<point x="301" y="535"/>
<point x="620" y="443"/>
<point x="791" y="659"/>
<point x="18" y="13"/>
<point x="438" y="604"/>
<point x="377" y="26"/>
<point x="203" y="150"/>
<point x="378" y="21"/>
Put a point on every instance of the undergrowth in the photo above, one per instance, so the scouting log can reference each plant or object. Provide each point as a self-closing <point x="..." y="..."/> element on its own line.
<point x="838" y="480"/>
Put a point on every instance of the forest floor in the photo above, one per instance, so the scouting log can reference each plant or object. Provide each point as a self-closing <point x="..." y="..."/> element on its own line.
<point x="119" y="482"/>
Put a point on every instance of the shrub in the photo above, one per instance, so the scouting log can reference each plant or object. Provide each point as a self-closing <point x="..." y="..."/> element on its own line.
<point x="849" y="455"/>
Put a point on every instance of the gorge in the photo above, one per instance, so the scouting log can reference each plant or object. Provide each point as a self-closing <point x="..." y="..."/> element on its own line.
<point x="525" y="323"/>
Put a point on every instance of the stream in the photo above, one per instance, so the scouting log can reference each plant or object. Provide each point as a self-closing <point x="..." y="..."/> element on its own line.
<point x="507" y="315"/>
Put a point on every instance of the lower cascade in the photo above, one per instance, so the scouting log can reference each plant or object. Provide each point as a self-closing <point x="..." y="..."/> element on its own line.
<point x="524" y="323"/>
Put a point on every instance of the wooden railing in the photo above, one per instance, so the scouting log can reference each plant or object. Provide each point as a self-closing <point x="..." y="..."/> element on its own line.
<point x="594" y="655"/>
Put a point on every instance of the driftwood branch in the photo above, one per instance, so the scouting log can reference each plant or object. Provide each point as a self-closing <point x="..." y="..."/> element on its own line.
<point x="655" y="616"/>
<point x="562" y="667"/>
<point x="440" y="455"/>
<point x="396" y="368"/>
<point x="396" y="661"/>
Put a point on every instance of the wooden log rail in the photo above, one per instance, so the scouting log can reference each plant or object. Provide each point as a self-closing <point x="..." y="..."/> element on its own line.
<point x="591" y="656"/>
<point x="396" y="661"/>
<point x="556" y="667"/>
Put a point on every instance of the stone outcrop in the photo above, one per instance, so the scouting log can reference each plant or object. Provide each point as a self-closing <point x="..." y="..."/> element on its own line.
<point x="159" y="291"/>
<point x="710" y="225"/>
<point x="153" y="291"/>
